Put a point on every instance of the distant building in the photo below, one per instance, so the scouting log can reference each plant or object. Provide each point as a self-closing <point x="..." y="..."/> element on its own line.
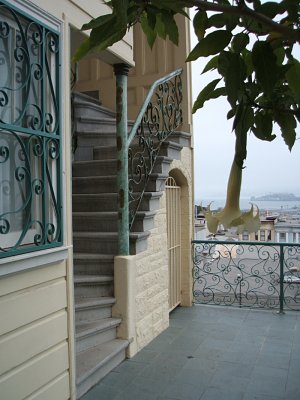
<point x="287" y="231"/>
<point x="266" y="232"/>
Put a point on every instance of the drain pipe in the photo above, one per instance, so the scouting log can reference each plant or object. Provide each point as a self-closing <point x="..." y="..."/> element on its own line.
<point x="121" y="73"/>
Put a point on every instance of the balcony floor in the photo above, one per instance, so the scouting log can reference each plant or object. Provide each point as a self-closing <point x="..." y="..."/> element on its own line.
<point x="213" y="353"/>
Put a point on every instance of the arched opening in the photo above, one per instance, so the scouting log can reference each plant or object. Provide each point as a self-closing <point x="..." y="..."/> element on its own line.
<point x="173" y="206"/>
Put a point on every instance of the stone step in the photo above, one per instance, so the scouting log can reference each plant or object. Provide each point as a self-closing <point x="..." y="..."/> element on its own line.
<point x="107" y="242"/>
<point x="107" y="167"/>
<point x="93" y="264"/>
<point x="103" y="221"/>
<point x="90" y="107"/>
<point x="109" y="201"/>
<point x="93" y="364"/>
<point x="93" y="333"/>
<point x="95" y="184"/>
<point x="95" y="202"/>
<point x="94" y="168"/>
<point x="108" y="221"/>
<point x="93" y="285"/>
<point x="90" y="309"/>
<point x="180" y="137"/>
<point x="104" y="152"/>
<point x="108" y="184"/>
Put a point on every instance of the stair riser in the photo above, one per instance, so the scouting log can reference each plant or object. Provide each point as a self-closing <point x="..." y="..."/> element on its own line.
<point x="143" y="225"/>
<point x="100" y="373"/>
<point x="91" y="314"/>
<point x="104" y="153"/>
<point x="96" y="125"/>
<point x="81" y="268"/>
<point x="95" y="339"/>
<point x="95" y="169"/>
<point x="137" y="246"/>
<point x="89" y="110"/>
<point x="156" y="185"/>
<point x="89" y="291"/>
<point x="95" y="245"/>
<point x="162" y="168"/>
<point x="94" y="224"/>
<point x="94" y="186"/>
<point x="150" y="204"/>
<point x="168" y="150"/>
<point x="95" y="204"/>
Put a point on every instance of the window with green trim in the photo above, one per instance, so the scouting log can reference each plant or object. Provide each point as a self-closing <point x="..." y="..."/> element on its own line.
<point x="30" y="134"/>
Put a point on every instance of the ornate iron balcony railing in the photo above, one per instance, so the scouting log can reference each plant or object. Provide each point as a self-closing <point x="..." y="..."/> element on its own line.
<point x="30" y="138"/>
<point x="247" y="274"/>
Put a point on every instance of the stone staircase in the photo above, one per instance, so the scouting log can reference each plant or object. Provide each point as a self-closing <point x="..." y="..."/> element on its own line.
<point x="95" y="235"/>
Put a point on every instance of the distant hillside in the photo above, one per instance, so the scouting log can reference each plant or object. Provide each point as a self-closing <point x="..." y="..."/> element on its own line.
<point x="276" y="197"/>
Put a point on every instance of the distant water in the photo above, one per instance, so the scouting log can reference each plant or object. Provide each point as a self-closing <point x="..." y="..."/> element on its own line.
<point x="245" y="204"/>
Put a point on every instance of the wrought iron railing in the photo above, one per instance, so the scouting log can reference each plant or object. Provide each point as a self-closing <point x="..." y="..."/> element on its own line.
<point x="137" y="151"/>
<point x="30" y="139"/>
<point x="247" y="274"/>
<point x="160" y="116"/>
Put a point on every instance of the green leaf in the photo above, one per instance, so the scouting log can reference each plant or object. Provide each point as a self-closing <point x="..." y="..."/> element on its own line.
<point x="175" y="6"/>
<point x="263" y="125"/>
<point x="120" y="10"/>
<point x="223" y="62"/>
<point x="95" y="23"/>
<point x="213" y="43"/>
<point x="160" y="26"/>
<point x="231" y="113"/>
<point x="232" y="20"/>
<point x="234" y="79"/>
<point x="279" y="54"/>
<point x="270" y="9"/>
<point x="146" y="24"/>
<point x="216" y="20"/>
<point x="212" y="64"/>
<point x="239" y="42"/>
<point x="204" y="94"/>
<point x="171" y="28"/>
<point x="293" y="78"/>
<point x="265" y="66"/>
<point x="82" y="50"/>
<point x="287" y="123"/>
<point x="247" y="57"/>
<point x="199" y="23"/>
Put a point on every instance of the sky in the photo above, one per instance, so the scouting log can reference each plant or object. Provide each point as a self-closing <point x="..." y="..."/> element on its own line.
<point x="270" y="166"/>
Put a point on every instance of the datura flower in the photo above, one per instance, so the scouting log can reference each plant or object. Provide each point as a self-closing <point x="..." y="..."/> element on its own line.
<point x="231" y="215"/>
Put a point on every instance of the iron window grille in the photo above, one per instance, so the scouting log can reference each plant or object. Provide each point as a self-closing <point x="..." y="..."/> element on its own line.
<point x="30" y="134"/>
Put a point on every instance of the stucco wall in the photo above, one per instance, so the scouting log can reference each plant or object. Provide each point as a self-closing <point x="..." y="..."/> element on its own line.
<point x="152" y="315"/>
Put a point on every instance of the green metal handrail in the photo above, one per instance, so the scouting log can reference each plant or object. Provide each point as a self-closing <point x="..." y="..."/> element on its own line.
<point x="250" y="274"/>
<point x="154" y="123"/>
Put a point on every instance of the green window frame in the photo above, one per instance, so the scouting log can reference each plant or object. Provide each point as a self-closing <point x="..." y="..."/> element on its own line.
<point x="30" y="134"/>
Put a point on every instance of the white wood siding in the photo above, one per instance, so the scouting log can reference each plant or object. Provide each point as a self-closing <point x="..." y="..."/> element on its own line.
<point x="34" y="349"/>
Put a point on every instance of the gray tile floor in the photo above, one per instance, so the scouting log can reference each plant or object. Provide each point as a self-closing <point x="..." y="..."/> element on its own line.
<point x="213" y="353"/>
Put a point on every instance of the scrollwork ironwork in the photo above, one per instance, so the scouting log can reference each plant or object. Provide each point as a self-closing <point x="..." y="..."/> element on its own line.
<point x="246" y="274"/>
<point x="25" y="98"/>
<point x="162" y="116"/>
<point x="30" y="155"/>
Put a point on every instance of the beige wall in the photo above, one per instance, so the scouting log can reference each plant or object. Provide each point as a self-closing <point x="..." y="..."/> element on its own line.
<point x="34" y="331"/>
<point x="152" y="280"/>
<point x="150" y="65"/>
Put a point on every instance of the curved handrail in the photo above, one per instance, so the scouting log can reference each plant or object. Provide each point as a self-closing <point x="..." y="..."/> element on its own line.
<point x="148" y="99"/>
<point x="159" y="116"/>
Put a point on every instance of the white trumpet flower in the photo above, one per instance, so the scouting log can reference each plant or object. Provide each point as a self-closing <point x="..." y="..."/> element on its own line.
<point x="231" y="215"/>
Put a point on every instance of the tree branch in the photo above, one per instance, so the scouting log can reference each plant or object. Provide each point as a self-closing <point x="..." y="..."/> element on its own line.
<point x="243" y="10"/>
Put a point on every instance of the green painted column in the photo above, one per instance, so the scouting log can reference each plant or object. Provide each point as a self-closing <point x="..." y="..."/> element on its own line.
<point x="121" y="72"/>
